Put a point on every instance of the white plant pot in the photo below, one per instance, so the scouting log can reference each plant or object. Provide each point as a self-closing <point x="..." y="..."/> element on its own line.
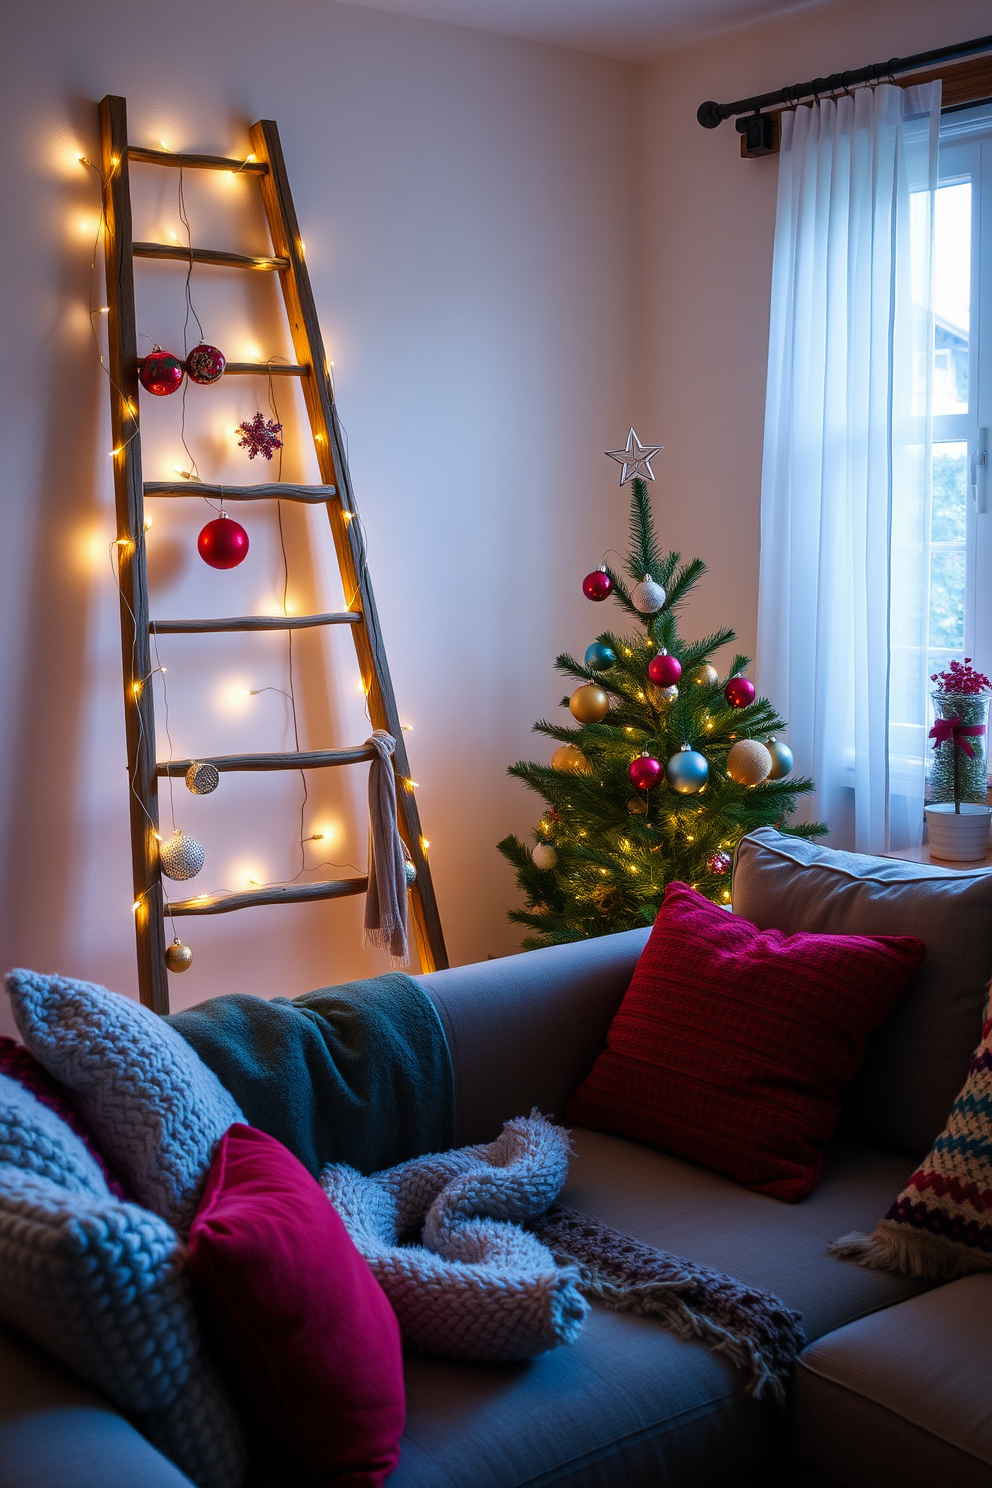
<point x="958" y="836"/>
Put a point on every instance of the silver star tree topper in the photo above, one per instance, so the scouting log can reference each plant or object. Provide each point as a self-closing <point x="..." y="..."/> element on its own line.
<point x="635" y="458"/>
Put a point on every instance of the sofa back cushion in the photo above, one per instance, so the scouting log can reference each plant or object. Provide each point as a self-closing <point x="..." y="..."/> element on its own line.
<point x="918" y="1059"/>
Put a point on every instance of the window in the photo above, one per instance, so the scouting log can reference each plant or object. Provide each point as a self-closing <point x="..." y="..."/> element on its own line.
<point x="948" y="570"/>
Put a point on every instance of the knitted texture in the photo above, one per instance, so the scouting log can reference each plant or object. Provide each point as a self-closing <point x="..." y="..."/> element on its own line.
<point x="153" y="1105"/>
<point x="478" y="1286"/>
<point x="940" y="1226"/>
<point x="752" y="1328"/>
<point x="102" y="1285"/>
<point x="16" y="1062"/>
<point x="34" y="1139"/>
<point x="732" y="1044"/>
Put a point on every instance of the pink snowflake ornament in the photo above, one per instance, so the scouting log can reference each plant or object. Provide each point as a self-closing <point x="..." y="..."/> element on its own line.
<point x="260" y="437"/>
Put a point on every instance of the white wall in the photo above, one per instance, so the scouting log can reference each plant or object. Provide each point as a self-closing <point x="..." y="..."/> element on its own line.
<point x="466" y="206"/>
<point x="706" y="273"/>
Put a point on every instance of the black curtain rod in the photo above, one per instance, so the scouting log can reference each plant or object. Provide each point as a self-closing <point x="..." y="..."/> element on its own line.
<point x="711" y="114"/>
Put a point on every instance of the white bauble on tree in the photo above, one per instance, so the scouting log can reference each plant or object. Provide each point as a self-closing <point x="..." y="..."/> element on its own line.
<point x="543" y="856"/>
<point x="748" y="762"/>
<point x="181" y="856"/>
<point x="647" y="597"/>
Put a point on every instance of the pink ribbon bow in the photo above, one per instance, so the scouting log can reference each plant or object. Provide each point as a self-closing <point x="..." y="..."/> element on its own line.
<point x="950" y="728"/>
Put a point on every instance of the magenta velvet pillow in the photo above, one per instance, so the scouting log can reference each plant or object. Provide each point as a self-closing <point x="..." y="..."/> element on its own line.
<point x="732" y="1045"/>
<point x="310" y="1343"/>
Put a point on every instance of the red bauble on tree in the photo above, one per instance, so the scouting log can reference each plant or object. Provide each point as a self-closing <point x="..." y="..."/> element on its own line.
<point x="644" y="771"/>
<point x="160" y="372"/>
<point x="739" y="692"/>
<point x="223" y="543"/>
<point x="597" y="585"/>
<point x="205" y="364"/>
<point x="664" y="670"/>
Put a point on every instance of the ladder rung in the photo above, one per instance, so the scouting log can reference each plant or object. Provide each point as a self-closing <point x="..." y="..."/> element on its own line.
<point x="206" y="256"/>
<point x="262" y="369"/>
<point x="209" y="904"/>
<point x="253" y="622"/>
<point x="314" y="759"/>
<point x="197" y="162"/>
<point x="277" y="491"/>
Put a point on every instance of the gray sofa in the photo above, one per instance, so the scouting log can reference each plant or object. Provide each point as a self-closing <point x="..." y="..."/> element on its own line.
<point x="895" y="1383"/>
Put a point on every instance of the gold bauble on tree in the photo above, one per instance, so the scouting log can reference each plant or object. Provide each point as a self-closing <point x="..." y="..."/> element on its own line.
<point x="589" y="703"/>
<point x="707" y="675"/>
<point x="748" y="762"/>
<point x="178" y="957"/>
<point x="569" y="757"/>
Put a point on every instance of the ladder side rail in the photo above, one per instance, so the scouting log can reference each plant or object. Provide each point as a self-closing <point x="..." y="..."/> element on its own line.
<point x="139" y="712"/>
<point x="309" y="349"/>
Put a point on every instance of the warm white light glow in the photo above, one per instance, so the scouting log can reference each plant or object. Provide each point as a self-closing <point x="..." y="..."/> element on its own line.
<point x="233" y="696"/>
<point x="246" y="874"/>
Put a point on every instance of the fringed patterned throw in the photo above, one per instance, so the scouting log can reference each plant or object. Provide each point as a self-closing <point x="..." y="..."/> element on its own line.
<point x="479" y="1262"/>
<point x="940" y="1226"/>
<point x="754" y="1329"/>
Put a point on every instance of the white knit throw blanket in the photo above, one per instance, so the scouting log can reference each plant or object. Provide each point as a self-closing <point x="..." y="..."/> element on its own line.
<point x="385" y="901"/>
<point x="477" y="1286"/>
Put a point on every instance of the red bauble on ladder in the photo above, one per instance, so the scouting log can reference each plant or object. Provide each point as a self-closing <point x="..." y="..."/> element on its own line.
<point x="205" y="364"/>
<point x="223" y="543"/>
<point x="160" y="372"/>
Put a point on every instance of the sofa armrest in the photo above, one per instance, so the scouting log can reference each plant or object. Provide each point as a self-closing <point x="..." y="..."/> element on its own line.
<point x="57" y="1432"/>
<point x="524" y="1030"/>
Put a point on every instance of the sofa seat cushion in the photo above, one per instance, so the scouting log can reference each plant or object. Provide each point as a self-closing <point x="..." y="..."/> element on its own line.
<point x="629" y="1403"/>
<point x="902" y="1396"/>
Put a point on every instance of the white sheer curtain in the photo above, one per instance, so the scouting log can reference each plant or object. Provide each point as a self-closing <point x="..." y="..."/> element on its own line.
<point x="842" y="608"/>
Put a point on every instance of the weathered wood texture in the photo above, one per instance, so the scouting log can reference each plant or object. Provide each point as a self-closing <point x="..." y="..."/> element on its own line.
<point x="217" y="256"/>
<point x="139" y="713"/>
<point x="277" y="492"/>
<point x="196" y="162"/>
<point x="211" y="904"/>
<point x="317" y="391"/>
<point x="263" y="369"/>
<point x="253" y="622"/>
<point x="305" y="759"/>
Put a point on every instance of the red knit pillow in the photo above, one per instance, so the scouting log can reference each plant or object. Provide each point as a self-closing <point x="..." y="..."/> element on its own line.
<point x="732" y="1044"/>
<point x="309" y="1342"/>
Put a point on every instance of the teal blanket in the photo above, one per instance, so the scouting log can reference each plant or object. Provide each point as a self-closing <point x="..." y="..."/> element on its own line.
<point x="357" y="1074"/>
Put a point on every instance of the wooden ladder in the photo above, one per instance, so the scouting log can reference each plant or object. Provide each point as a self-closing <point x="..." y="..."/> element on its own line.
<point x="266" y="164"/>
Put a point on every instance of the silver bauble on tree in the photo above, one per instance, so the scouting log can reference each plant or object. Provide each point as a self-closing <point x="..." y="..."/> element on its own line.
<point x="543" y="856"/>
<point x="647" y="597"/>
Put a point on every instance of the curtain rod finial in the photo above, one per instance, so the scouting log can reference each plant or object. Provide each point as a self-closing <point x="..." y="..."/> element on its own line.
<point x="709" y="114"/>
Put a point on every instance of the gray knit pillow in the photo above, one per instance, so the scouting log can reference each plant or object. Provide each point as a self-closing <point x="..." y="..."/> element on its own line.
<point x="34" y="1138"/>
<point x="154" y="1107"/>
<point x="102" y="1285"/>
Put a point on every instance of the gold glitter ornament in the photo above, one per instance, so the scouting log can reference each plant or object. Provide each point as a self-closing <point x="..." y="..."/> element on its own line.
<point x="707" y="675"/>
<point x="178" y="957"/>
<point x="749" y="762"/>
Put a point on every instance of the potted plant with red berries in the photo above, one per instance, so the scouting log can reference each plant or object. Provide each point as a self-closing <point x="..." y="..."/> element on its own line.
<point x="958" y="813"/>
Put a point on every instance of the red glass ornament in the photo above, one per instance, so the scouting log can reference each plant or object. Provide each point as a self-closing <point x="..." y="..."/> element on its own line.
<point x="718" y="862"/>
<point x="223" y="543"/>
<point x="664" y="670"/>
<point x="644" y="771"/>
<point x="205" y="364"/>
<point x="597" y="585"/>
<point x="739" y="692"/>
<point x="160" y="373"/>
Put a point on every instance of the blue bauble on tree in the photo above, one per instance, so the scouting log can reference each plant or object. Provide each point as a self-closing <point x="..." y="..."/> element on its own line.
<point x="687" y="771"/>
<point x="599" y="657"/>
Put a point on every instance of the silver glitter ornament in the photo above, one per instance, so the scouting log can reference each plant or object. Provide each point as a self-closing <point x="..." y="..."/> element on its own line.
<point x="181" y="857"/>
<point x="202" y="779"/>
<point x="410" y="869"/>
<point x="543" y="856"/>
<point x="647" y="597"/>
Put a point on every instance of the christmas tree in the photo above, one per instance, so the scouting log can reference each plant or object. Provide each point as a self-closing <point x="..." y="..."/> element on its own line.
<point x="667" y="765"/>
